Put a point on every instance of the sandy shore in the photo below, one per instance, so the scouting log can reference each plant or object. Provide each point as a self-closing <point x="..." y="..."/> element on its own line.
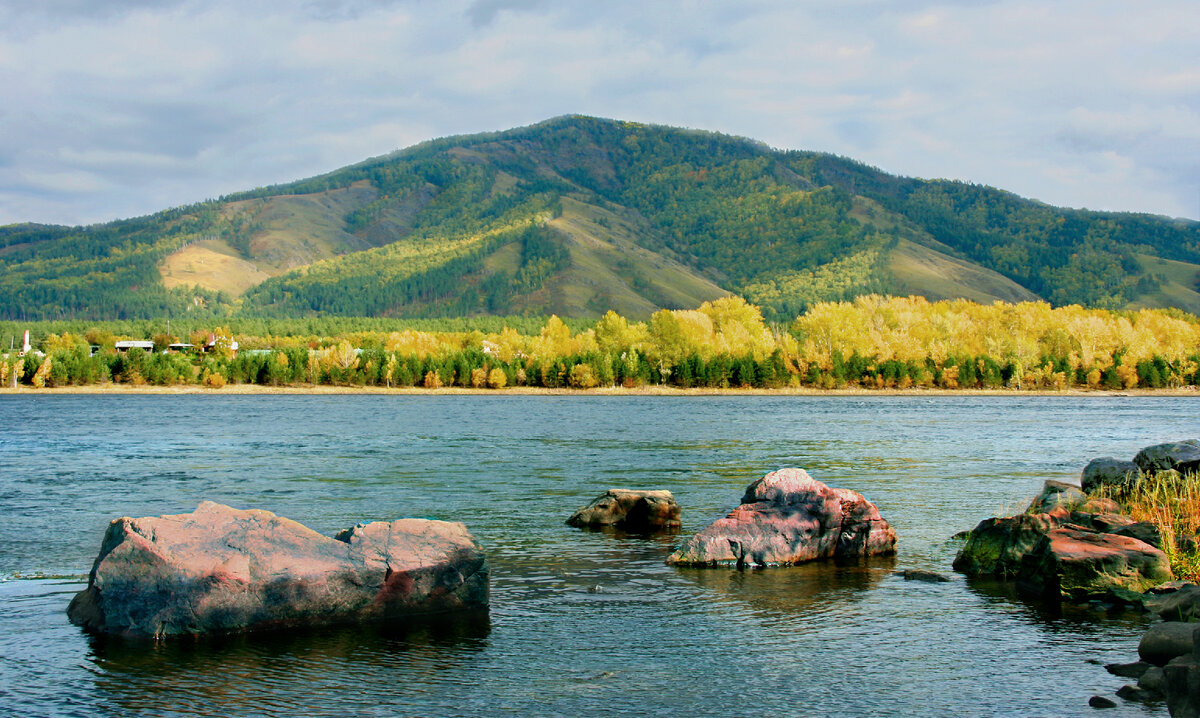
<point x="305" y="389"/>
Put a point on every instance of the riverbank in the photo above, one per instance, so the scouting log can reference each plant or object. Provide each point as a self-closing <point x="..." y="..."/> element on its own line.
<point x="654" y="390"/>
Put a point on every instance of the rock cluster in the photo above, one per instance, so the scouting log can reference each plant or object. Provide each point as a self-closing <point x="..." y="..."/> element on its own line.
<point x="1069" y="546"/>
<point x="788" y="517"/>
<point x="223" y="570"/>
<point x="1066" y="546"/>
<point x="640" y="511"/>
<point x="1169" y="653"/>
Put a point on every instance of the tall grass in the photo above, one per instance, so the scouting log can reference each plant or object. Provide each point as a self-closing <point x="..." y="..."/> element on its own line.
<point x="1172" y="502"/>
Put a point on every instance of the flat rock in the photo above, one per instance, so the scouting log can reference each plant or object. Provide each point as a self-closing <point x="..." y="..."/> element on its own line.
<point x="1181" y="456"/>
<point x="224" y="570"/>
<point x="1107" y="471"/>
<point x="1128" y="670"/>
<point x="1101" y="522"/>
<point x="1075" y="564"/>
<point x="1145" y="531"/>
<point x="788" y="517"/>
<point x="1182" y="604"/>
<point x="630" y="510"/>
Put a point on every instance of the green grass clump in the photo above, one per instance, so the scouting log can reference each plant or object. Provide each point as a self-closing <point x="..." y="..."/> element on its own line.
<point x="1172" y="502"/>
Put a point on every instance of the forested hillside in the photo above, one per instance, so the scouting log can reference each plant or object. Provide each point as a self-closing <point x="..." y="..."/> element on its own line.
<point x="577" y="216"/>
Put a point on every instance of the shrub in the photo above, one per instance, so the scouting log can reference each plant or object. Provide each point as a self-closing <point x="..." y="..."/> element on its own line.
<point x="1172" y="502"/>
<point x="582" y="377"/>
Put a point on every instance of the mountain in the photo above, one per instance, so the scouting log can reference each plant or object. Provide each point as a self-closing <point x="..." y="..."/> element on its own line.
<point x="579" y="215"/>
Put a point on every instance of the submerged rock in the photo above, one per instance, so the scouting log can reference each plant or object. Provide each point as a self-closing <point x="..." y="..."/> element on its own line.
<point x="914" y="574"/>
<point x="1107" y="471"/>
<point x="223" y="570"/>
<point x="630" y="510"/>
<point x="788" y="517"/>
<point x="1073" y="563"/>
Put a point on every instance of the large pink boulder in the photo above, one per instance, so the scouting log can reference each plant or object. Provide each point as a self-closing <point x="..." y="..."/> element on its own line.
<point x="222" y="570"/>
<point x="788" y="517"/>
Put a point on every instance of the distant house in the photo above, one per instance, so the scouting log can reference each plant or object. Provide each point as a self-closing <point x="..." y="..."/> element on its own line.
<point x="212" y="345"/>
<point x="179" y="347"/>
<point x="125" y="346"/>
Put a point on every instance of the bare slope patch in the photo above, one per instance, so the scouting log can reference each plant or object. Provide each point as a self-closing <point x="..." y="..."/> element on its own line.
<point x="920" y="270"/>
<point x="211" y="264"/>
<point x="609" y="269"/>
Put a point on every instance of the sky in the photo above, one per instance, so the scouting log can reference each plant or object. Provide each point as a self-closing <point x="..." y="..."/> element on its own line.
<point x="119" y="108"/>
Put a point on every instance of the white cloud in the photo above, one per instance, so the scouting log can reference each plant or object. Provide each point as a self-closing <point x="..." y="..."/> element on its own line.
<point x="139" y="105"/>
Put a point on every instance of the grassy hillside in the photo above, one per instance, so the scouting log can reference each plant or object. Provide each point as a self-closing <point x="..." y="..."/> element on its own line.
<point x="577" y="216"/>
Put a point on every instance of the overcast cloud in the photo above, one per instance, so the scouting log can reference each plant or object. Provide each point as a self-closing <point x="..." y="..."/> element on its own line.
<point x="124" y="107"/>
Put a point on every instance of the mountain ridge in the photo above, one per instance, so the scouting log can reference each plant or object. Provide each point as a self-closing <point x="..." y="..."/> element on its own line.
<point x="577" y="215"/>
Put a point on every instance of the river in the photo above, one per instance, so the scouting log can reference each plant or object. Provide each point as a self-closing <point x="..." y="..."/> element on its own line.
<point x="581" y="623"/>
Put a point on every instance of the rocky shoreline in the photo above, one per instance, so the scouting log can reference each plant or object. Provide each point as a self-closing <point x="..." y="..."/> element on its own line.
<point x="222" y="570"/>
<point x="1075" y="545"/>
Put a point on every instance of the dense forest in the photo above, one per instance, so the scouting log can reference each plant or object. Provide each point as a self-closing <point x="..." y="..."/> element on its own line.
<point x="871" y="342"/>
<point x="576" y="216"/>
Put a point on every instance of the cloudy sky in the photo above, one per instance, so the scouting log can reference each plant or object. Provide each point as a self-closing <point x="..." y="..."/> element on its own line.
<point x="116" y="108"/>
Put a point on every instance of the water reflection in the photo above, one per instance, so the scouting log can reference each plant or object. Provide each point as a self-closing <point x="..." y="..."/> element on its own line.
<point x="1072" y="619"/>
<point x="808" y="589"/>
<point x="309" y="670"/>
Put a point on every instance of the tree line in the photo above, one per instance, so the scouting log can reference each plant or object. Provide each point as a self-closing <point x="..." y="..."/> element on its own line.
<point x="872" y="342"/>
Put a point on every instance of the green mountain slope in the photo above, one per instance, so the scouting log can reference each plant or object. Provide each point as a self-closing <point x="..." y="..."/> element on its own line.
<point x="579" y="215"/>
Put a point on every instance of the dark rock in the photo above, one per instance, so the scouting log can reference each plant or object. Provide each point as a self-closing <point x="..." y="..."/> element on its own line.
<point x="1180" y="605"/>
<point x="1101" y="702"/>
<point x="1107" y="471"/>
<point x="1164" y="641"/>
<point x="1128" y="670"/>
<point x="1181" y="456"/>
<point x="1181" y="681"/>
<point x="1057" y="495"/>
<point x="1153" y="680"/>
<point x="995" y="547"/>
<point x="911" y="574"/>
<point x="222" y="570"/>
<point x="630" y="510"/>
<point x="1126" y="598"/>
<point x="787" y="517"/>
<point x="1145" y="531"/>
<point x="1133" y="693"/>
<point x="1073" y="564"/>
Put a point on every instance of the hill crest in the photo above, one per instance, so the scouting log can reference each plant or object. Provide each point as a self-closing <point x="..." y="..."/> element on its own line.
<point x="577" y="215"/>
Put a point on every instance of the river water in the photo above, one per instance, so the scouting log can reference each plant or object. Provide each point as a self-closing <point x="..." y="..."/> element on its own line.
<point x="581" y="623"/>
